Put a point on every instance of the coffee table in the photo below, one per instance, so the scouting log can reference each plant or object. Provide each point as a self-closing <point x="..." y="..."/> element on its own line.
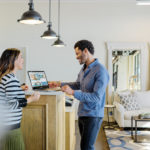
<point x="136" y="119"/>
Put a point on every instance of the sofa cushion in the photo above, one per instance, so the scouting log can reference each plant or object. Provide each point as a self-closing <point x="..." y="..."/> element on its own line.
<point x="129" y="114"/>
<point x="143" y="98"/>
<point x="129" y="102"/>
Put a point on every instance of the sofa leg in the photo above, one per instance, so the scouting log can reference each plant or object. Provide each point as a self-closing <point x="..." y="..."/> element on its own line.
<point x="121" y="128"/>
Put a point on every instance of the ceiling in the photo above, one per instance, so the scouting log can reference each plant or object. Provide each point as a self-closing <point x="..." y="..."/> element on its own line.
<point x="71" y="0"/>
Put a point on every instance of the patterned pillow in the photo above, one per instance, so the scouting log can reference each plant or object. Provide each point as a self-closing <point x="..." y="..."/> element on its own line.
<point x="129" y="101"/>
<point x="118" y="93"/>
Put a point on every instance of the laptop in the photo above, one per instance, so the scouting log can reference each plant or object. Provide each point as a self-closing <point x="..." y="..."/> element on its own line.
<point x="39" y="81"/>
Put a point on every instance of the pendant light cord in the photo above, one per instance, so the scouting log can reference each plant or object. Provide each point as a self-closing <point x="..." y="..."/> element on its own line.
<point x="49" y="11"/>
<point x="58" y="17"/>
<point x="31" y="5"/>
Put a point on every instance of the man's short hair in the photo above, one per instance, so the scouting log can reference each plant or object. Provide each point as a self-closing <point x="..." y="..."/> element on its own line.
<point x="82" y="44"/>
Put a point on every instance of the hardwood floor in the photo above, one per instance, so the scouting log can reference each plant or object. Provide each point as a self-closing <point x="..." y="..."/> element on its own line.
<point x="101" y="142"/>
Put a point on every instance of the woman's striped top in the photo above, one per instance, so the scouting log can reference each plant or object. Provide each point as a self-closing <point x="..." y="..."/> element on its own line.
<point x="12" y="99"/>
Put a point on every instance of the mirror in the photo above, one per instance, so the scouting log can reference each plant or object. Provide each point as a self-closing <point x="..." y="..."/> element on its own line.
<point x="124" y="66"/>
<point x="126" y="70"/>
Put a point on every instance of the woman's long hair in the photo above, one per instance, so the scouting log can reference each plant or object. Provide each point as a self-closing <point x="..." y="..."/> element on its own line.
<point x="7" y="61"/>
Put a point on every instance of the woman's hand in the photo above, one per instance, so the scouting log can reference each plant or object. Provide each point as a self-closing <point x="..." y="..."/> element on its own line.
<point x="24" y="87"/>
<point x="34" y="97"/>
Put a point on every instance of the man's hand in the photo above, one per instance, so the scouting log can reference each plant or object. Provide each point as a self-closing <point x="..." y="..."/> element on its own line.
<point x="67" y="90"/>
<point x="54" y="84"/>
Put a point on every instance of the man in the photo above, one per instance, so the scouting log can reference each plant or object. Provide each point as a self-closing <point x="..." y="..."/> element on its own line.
<point x="89" y="89"/>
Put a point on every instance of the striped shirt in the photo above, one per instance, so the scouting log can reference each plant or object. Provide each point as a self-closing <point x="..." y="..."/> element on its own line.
<point x="12" y="99"/>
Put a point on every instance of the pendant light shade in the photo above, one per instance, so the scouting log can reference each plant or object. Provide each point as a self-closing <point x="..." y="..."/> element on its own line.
<point x="58" y="42"/>
<point x="31" y="16"/>
<point x="49" y="34"/>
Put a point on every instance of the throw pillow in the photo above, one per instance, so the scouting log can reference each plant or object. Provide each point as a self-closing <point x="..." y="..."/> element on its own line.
<point x="117" y="97"/>
<point x="129" y="101"/>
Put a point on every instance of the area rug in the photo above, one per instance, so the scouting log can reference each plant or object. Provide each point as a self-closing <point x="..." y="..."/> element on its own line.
<point x="121" y="140"/>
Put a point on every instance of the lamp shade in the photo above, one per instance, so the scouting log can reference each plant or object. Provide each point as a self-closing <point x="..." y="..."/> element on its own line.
<point x="58" y="43"/>
<point x="31" y="16"/>
<point x="49" y="34"/>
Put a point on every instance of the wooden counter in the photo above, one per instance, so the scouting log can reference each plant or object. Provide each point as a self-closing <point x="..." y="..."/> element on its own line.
<point x="43" y="122"/>
<point x="70" y="128"/>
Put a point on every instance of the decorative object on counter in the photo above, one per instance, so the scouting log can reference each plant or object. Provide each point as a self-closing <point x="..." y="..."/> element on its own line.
<point x="31" y="16"/>
<point x="49" y="34"/>
<point x="58" y="42"/>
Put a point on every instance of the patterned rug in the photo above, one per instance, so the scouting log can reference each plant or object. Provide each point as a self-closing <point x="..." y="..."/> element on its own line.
<point x="121" y="140"/>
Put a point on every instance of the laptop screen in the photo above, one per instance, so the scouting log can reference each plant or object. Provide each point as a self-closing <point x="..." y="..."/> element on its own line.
<point x="38" y="79"/>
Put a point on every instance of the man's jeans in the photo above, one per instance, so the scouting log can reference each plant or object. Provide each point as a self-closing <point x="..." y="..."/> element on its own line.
<point x="89" y="129"/>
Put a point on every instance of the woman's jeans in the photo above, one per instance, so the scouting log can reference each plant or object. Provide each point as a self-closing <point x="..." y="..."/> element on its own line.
<point x="89" y="129"/>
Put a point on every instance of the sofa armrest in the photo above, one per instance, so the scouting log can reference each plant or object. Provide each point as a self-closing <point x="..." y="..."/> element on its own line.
<point x="119" y="107"/>
<point x="119" y="114"/>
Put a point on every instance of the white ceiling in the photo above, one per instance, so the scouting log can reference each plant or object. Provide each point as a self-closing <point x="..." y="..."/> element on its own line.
<point x="70" y="0"/>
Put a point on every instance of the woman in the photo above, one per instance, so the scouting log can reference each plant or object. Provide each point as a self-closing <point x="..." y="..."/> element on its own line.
<point x="12" y="99"/>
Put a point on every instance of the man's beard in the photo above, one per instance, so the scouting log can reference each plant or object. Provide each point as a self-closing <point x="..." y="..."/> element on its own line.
<point x="82" y="60"/>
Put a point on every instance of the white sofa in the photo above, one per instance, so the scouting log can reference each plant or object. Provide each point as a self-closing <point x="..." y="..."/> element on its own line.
<point x="123" y="117"/>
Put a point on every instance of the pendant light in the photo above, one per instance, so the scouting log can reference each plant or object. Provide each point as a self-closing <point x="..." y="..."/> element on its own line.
<point x="49" y="34"/>
<point x="58" y="42"/>
<point x="31" y="16"/>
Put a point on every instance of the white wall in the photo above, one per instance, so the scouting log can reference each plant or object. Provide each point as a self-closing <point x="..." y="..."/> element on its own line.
<point x="98" y="22"/>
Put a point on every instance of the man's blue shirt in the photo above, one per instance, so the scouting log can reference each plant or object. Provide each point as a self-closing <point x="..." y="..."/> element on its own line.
<point x="90" y="89"/>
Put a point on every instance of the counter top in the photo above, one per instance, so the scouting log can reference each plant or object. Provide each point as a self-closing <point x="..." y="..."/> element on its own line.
<point x="67" y="108"/>
<point x="30" y="92"/>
